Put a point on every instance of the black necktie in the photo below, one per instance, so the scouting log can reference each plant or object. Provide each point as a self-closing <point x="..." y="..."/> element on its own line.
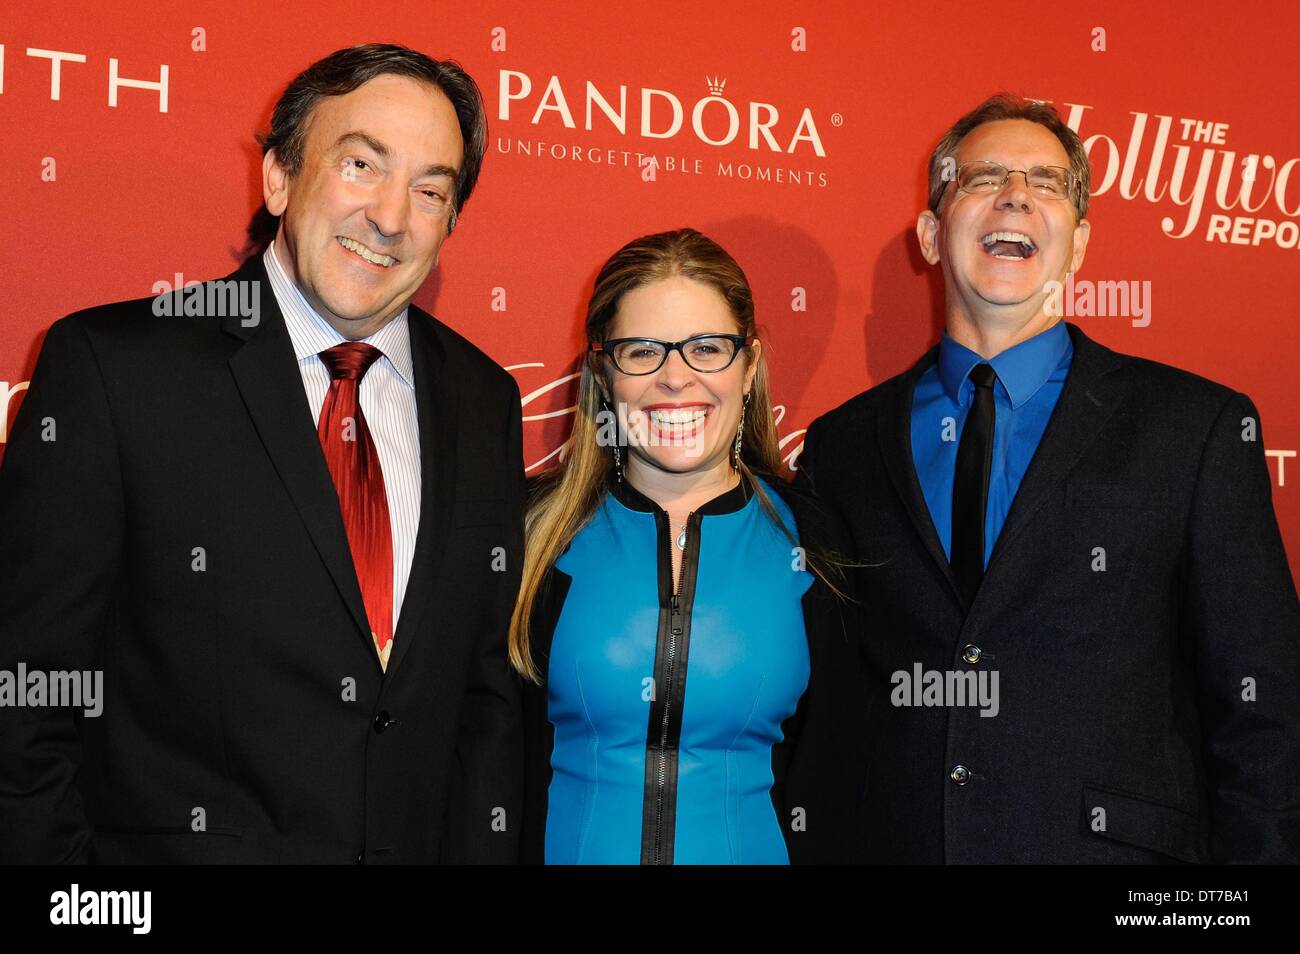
<point x="970" y="488"/>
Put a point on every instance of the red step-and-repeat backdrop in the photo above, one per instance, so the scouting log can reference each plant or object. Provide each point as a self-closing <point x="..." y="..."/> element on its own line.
<point x="795" y="133"/>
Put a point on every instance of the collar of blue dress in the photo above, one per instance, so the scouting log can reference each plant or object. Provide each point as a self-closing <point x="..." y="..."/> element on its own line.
<point x="728" y="501"/>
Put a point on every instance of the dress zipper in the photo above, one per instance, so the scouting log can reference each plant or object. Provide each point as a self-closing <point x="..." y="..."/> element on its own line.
<point x="674" y="631"/>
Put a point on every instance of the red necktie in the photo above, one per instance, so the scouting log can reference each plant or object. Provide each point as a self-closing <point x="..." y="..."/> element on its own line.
<point x="353" y="461"/>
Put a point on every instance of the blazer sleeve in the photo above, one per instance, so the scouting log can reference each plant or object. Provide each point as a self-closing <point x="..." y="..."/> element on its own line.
<point x="487" y="789"/>
<point x="1242" y="623"/>
<point x="539" y="734"/>
<point x="61" y="522"/>
<point x="823" y="781"/>
<point x="803" y="475"/>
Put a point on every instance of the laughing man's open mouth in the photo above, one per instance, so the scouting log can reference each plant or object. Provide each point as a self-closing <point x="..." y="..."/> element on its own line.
<point x="1009" y="245"/>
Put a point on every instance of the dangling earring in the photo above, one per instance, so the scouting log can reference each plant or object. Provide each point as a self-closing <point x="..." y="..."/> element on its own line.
<point x="740" y="434"/>
<point x="618" y="458"/>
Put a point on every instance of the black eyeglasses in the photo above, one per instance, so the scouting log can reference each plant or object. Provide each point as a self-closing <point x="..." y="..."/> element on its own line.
<point x="706" y="353"/>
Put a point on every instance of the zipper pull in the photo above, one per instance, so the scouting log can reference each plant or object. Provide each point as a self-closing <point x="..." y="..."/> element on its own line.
<point x="676" y="617"/>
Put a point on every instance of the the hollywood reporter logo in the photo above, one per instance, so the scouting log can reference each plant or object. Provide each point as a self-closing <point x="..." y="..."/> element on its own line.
<point x="1173" y="160"/>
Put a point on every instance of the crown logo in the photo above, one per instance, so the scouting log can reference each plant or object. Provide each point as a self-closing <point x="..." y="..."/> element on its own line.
<point x="716" y="86"/>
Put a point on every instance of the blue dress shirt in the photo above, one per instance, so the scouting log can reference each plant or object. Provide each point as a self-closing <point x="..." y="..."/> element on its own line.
<point x="1029" y="382"/>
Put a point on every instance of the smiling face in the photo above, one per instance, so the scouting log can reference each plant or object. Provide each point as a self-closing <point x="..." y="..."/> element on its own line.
<point x="998" y="251"/>
<point x="363" y="220"/>
<point x="690" y="417"/>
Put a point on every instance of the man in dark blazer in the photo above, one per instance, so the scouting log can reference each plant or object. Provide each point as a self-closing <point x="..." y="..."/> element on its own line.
<point x="1089" y="535"/>
<point x="301" y="630"/>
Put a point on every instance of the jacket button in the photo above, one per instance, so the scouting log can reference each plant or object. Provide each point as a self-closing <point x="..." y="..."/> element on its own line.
<point x="383" y="721"/>
<point x="971" y="653"/>
<point x="960" y="774"/>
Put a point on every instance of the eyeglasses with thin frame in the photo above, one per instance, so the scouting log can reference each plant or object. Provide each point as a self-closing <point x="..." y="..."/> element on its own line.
<point x="986" y="177"/>
<point x="708" y="353"/>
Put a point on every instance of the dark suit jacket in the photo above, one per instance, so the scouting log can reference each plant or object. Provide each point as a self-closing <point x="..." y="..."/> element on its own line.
<point x="1122" y="690"/>
<point x="246" y="718"/>
<point x="818" y="764"/>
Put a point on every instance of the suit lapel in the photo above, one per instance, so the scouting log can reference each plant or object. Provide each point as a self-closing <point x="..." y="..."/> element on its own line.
<point x="438" y="409"/>
<point x="1089" y="398"/>
<point x="269" y="382"/>
<point x="894" y="431"/>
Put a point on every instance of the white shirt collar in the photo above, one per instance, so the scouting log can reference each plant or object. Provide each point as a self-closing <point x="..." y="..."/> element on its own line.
<point x="311" y="334"/>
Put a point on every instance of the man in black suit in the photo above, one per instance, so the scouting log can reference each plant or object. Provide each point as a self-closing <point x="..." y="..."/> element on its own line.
<point x="1085" y="638"/>
<point x="288" y="533"/>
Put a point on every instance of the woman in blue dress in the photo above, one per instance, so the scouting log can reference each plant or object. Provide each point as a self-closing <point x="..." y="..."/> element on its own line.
<point x="692" y="674"/>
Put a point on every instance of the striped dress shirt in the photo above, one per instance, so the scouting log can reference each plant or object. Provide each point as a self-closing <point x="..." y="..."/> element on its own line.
<point x="387" y="398"/>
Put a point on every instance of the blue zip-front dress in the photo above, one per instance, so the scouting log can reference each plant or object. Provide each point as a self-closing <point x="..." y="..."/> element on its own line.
<point x="667" y="706"/>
